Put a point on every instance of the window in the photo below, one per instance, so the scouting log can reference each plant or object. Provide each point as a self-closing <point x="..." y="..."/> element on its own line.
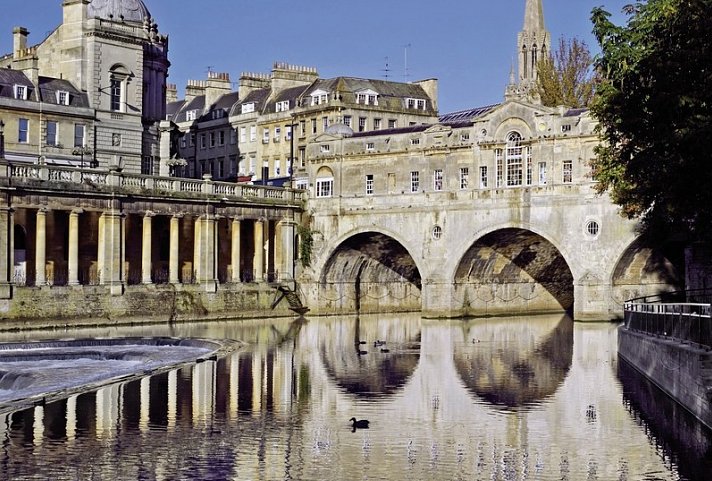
<point x="361" y="124"/>
<point x="62" y="97"/>
<point x="302" y="128"/>
<point x="221" y="167"/>
<point x="243" y="134"/>
<point x="376" y="124"/>
<point x="414" y="141"/>
<point x="360" y="98"/>
<point x="265" y="135"/>
<point x="567" y="171"/>
<point x="21" y="92"/>
<point x="421" y="104"/>
<point x="324" y="123"/>
<point x="392" y="123"/>
<point x="369" y="184"/>
<point x="566" y="128"/>
<point x="542" y="173"/>
<point x="528" y="160"/>
<point x="593" y="228"/>
<point x="302" y="157"/>
<point x="483" y="177"/>
<point x="438" y="180"/>
<point x="253" y="165"/>
<point x="211" y="136"/>
<point x="277" y="167"/>
<point x="191" y="115"/>
<point x="418" y="104"/>
<point x="347" y="121"/>
<point x="191" y="139"/>
<point x="514" y="159"/>
<point x="277" y="134"/>
<point x="51" y="137"/>
<point x="370" y="146"/>
<point x="23" y="131"/>
<point x="319" y="97"/>
<point x="217" y="114"/>
<point x="79" y="135"/>
<point x="324" y="148"/>
<point x="325" y="187"/>
<point x="184" y="141"/>
<point x="147" y="165"/>
<point x="313" y="126"/>
<point x="499" y="161"/>
<point x="437" y="232"/>
<point x="464" y="137"/>
<point x="464" y="177"/>
<point x="288" y="132"/>
<point x="414" y="181"/>
<point x="221" y="137"/>
<point x="253" y="133"/>
<point x="282" y="106"/>
<point x="203" y="141"/>
<point x="116" y="92"/>
<point x="247" y="108"/>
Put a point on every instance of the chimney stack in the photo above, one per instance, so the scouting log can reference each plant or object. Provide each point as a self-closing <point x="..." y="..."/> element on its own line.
<point x="19" y="42"/>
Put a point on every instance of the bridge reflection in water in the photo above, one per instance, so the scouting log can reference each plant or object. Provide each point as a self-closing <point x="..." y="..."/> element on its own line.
<point x="501" y="398"/>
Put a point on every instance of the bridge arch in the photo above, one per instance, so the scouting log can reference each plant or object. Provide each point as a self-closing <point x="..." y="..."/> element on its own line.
<point x="512" y="269"/>
<point x="369" y="271"/>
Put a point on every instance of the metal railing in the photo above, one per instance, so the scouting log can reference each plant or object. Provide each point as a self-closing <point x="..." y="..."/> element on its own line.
<point x="684" y="316"/>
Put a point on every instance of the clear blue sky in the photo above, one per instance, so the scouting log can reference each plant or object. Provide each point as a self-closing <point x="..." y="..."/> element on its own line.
<point x="467" y="44"/>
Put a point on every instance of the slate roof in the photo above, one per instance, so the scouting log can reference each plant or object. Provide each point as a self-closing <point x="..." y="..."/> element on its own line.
<point x="198" y="103"/>
<point x="387" y="91"/>
<point x="292" y="94"/>
<point x="466" y="115"/>
<point x="258" y="97"/>
<point x="48" y="88"/>
<point x="575" y="112"/>
<point x="172" y="108"/>
<point x="400" y="130"/>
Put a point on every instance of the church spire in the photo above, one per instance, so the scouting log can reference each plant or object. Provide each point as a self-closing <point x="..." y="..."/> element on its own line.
<point x="533" y="43"/>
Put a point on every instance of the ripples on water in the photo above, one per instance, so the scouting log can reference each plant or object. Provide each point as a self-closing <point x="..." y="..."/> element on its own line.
<point x="498" y="399"/>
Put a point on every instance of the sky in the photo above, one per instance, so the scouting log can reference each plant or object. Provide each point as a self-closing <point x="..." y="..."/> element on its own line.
<point x="468" y="45"/>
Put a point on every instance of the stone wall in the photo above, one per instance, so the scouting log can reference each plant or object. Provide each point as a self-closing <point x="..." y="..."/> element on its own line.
<point x="52" y="307"/>
<point x="682" y="371"/>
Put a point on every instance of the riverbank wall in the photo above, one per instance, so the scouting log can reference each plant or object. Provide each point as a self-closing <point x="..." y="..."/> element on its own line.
<point x="56" y="307"/>
<point x="683" y="371"/>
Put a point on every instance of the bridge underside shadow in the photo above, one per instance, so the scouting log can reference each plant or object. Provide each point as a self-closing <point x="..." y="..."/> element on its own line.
<point x="370" y="272"/>
<point x="511" y="271"/>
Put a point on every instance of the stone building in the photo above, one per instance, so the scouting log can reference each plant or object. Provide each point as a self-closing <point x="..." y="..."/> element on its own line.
<point x="110" y="57"/>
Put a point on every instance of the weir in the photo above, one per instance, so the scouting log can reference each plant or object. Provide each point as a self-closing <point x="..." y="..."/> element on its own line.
<point x="34" y="373"/>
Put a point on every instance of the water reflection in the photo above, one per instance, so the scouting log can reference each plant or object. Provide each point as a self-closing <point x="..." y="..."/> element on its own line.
<point x="535" y="399"/>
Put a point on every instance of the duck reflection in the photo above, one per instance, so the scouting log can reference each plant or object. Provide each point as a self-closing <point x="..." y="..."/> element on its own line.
<point x="517" y="366"/>
<point x="355" y="355"/>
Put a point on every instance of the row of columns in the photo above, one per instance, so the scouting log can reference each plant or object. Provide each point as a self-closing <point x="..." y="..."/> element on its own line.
<point x="111" y="252"/>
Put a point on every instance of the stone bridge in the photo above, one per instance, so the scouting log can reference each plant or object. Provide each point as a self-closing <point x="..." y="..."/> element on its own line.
<point x="537" y="240"/>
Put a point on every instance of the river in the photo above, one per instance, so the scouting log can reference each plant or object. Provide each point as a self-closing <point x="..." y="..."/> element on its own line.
<point x="521" y="398"/>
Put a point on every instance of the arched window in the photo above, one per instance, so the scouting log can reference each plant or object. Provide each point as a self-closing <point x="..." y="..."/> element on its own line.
<point x="514" y="159"/>
<point x="535" y="59"/>
<point x="118" y="80"/>
<point x="324" y="183"/>
<point x="525" y="72"/>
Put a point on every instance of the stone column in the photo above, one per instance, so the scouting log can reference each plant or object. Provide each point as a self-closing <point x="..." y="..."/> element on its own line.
<point x="146" y="249"/>
<point x="73" y="248"/>
<point x="259" y="261"/>
<point x="7" y="267"/>
<point x="173" y="275"/>
<point x="111" y="250"/>
<point x="287" y="230"/>
<point x="205" y="252"/>
<point x="41" y="248"/>
<point x="235" y="251"/>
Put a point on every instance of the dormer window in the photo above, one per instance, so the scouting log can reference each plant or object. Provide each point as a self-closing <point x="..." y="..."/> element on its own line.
<point x="21" y="92"/>
<point x="218" y="114"/>
<point x="367" y="97"/>
<point x="191" y="115"/>
<point x="247" y="108"/>
<point x="62" y="97"/>
<point x="319" y="97"/>
<point x="418" y="104"/>
<point x="325" y="148"/>
<point x="282" y="106"/>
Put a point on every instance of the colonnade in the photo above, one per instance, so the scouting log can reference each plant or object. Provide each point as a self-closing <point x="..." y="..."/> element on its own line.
<point x="113" y="248"/>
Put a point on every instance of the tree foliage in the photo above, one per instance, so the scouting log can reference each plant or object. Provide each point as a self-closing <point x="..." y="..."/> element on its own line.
<point x="565" y="77"/>
<point x="654" y="107"/>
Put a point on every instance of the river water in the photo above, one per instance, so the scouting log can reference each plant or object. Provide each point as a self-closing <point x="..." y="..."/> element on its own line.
<point x="527" y="398"/>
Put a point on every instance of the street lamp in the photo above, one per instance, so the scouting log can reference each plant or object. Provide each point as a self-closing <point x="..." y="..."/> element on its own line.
<point x="82" y="151"/>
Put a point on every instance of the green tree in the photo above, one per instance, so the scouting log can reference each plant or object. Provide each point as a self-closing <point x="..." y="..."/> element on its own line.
<point x="565" y="77"/>
<point x="654" y="107"/>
